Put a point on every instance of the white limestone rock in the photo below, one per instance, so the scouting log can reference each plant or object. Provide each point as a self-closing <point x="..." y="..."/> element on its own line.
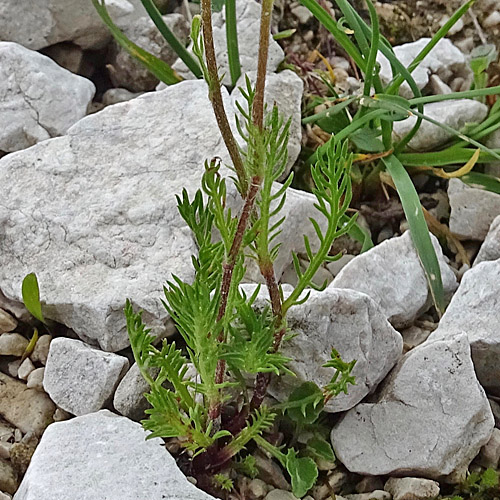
<point x="490" y="249"/>
<point x="412" y="488"/>
<point x="454" y="114"/>
<point x="472" y="210"/>
<point x="38" y="98"/>
<point x="474" y="310"/>
<point x="351" y="323"/>
<point x="126" y="71"/>
<point x="392" y="275"/>
<point x="103" y="455"/>
<point x="99" y="206"/>
<point x="46" y="22"/>
<point x="248" y="26"/>
<point x="429" y="419"/>
<point x="444" y="60"/>
<point x="80" y="379"/>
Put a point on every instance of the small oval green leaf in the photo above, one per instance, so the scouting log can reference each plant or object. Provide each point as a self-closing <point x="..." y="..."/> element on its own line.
<point x="31" y="296"/>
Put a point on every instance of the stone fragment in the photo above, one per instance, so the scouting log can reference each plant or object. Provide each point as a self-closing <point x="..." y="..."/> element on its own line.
<point x="8" y="477"/>
<point x="256" y="489"/>
<point x="7" y="322"/>
<point x="472" y="210"/>
<point x="474" y="310"/>
<point x="351" y="323"/>
<point x="21" y="453"/>
<point x="25" y="368"/>
<point x="454" y="114"/>
<point x="81" y="379"/>
<point x="490" y="249"/>
<point x="39" y="99"/>
<point x="126" y="71"/>
<point x="444" y="60"/>
<point x="46" y="22"/>
<point x="270" y="472"/>
<point x="5" y="496"/>
<point x="392" y="275"/>
<point x="492" y="20"/>
<point x="26" y="409"/>
<point x="35" y="379"/>
<point x="372" y="495"/>
<point x="489" y="456"/>
<point x="95" y="447"/>
<point x="280" y="495"/>
<point x="248" y="23"/>
<point x="114" y="96"/>
<point x="12" y="344"/>
<point x="430" y="418"/>
<point x="41" y="350"/>
<point x="104" y="219"/>
<point x="412" y="488"/>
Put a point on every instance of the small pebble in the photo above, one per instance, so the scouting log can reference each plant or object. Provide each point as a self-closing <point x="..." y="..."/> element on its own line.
<point x="18" y="435"/>
<point x="8" y="477"/>
<point x="492" y="20"/>
<point x="21" y="453"/>
<point x="412" y="488"/>
<point x="60" y="415"/>
<point x="7" y="322"/>
<point x="256" y="489"/>
<point x="373" y="495"/>
<point x="489" y="456"/>
<point x="41" y="350"/>
<point x="5" y="496"/>
<point x="13" y="367"/>
<point x="5" y="449"/>
<point x="13" y="344"/>
<point x="25" y="368"/>
<point x="35" y="379"/>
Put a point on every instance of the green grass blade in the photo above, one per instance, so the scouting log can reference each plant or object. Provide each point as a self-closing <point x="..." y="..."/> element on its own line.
<point x="171" y="39"/>
<point x="233" y="53"/>
<point x="418" y="228"/>
<point x="467" y="94"/>
<point x="488" y="182"/>
<point x="449" y="156"/>
<point x="159" y="68"/>
<point x="374" y="44"/>
<point x="31" y="296"/>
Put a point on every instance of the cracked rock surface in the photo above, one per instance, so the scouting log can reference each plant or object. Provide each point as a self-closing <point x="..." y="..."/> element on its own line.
<point x="98" y="214"/>
<point x="38" y="98"/>
<point x="102" y="452"/>
<point x="474" y="311"/>
<point x="430" y="405"/>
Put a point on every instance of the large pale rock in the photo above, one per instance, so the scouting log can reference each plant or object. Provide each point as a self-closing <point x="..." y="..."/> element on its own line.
<point x="126" y="71"/>
<point x="99" y="206"/>
<point x="391" y="273"/>
<point x="102" y="455"/>
<point x="490" y="249"/>
<point x="351" y="323"/>
<point x="27" y="409"/>
<point x="38" y="98"/>
<point x="80" y="379"/>
<point x="248" y="26"/>
<point x="45" y="22"/>
<point x="430" y="418"/>
<point x="472" y="210"/>
<point x="444" y="60"/>
<point x="474" y="310"/>
<point x="454" y="114"/>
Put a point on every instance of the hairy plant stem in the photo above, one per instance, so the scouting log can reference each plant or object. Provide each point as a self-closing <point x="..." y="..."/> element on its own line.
<point x="215" y="96"/>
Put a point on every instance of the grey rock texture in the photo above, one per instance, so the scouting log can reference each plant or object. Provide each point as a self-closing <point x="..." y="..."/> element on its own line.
<point x="474" y="310"/>
<point x="38" y="98"/>
<point x="248" y="22"/>
<point x="103" y="456"/>
<point x="444" y="60"/>
<point x="472" y="210"/>
<point x="455" y="114"/>
<point x="490" y="249"/>
<point x="46" y="22"/>
<point x="126" y="71"/>
<point x="12" y="344"/>
<point x="430" y="418"/>
<point x="27" y="409"/>
<point x="7" y="322"/>
<point x="351" y="323"/>
<point x="80" y="379"/>
<point x="391" y="274"/>
<point x="412" y="488"/>
<point x="103" y="217"/>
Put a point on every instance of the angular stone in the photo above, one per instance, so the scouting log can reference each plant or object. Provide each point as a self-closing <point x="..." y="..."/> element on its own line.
<point x="26" y="409"/>
<point x="392" y="275"/>
<point x="489" y="456"/>
<point x="39" y="99"/>
<point x="248" y="23"/>
<point x="351" y="323"/>
<point x="46" y="22"/>
<point x="490" y="249"/>
<point x="35" y="379"/>
<point x="7" y="322"/>
<point x="474" y="310"/>
<point x="79" y="459"/>
<point x="412" y="488"/>
<point x="429" y="419"/>
<point x="472" y="210"/>
<point x="126" y="71"/>
<point x="114" y="96"/>
<point x="454" y="114"/>
<point x="12" y="344"/>
<point x="25" y="368"/>
<point x="81" y="379"/>
<point x="41" y="350"/>
<point x="444" y="60"/>
<point x="103" y="217"/>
